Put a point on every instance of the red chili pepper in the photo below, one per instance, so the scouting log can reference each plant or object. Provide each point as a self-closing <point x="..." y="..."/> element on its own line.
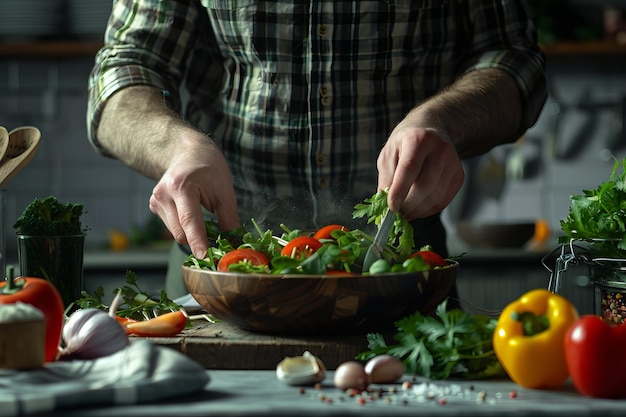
<point x="124" y="321"/>
<point x="165" y="325"/>
<point x="593" y="353"/>
<point x="42" y="295"/>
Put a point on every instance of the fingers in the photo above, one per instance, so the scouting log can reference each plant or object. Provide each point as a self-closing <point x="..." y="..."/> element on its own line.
<point x="179" y="204"/>
<point x="422" y="170"/>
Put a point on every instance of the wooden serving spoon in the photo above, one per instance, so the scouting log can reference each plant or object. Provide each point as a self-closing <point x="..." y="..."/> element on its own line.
<point x="4" y="141"/>
<point x="22" y="145"/>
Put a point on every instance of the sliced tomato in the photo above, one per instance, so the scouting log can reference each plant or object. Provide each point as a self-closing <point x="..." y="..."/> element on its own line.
<point x="325" y="232"/>
<point x="431" y="258"/>
<point x="242" y="255"/>
<point x="301" y="246"/>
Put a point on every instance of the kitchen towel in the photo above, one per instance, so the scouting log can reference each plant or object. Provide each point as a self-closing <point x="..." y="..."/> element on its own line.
<point x="141" y="373"/>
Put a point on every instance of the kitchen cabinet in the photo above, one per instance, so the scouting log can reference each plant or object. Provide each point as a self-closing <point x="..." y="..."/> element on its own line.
<point x="49" y="49"/>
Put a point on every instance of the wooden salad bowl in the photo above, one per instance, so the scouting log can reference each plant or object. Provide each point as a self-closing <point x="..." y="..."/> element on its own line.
<point x="318" y="304"/>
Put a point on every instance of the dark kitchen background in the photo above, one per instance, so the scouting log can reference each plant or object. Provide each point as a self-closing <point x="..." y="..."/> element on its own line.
<point x="46" y="52"/>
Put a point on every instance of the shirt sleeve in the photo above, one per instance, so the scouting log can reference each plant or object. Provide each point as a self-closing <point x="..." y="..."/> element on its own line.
<point x="506" y="38"/>
<point x="146" y="43"/>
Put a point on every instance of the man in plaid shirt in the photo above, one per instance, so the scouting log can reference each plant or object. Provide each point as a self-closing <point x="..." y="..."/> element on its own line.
<point x="294" y="111"/>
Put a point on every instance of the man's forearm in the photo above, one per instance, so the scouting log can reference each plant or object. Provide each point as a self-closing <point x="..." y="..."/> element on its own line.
<point x="479" y="111"/>
<point x="139" y="129"/>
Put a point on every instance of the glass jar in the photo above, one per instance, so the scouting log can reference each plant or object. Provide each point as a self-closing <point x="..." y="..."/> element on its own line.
<point x="610" y="292"/>
<point x="58" y="259"/>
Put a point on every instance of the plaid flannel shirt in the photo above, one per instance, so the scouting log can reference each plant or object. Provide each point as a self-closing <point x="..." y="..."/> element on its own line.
<point x="301" y="95"/>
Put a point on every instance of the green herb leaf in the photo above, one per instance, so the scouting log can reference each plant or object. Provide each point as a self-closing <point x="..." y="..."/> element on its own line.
<point x="600" y="214"/>
<point x="452" y="343"/>
<point x="49" y="217"/>
<point x="136" y="303"/>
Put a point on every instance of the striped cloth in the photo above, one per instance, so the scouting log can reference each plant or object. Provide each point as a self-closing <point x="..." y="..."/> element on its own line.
<point x="141" y="373"/>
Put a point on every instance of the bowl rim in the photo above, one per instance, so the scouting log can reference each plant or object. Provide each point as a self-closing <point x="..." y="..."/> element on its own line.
<point x="451" y="265"/>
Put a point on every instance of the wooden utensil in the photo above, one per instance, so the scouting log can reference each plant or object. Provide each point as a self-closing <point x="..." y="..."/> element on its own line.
<point x="4" y="141"/>
<point x="22" y="145"/>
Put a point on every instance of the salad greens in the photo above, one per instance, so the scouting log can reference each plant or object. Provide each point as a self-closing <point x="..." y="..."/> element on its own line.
<point x="451" y="344"/>
<point x="599" y="216"/>
<point x="344" y="252"/>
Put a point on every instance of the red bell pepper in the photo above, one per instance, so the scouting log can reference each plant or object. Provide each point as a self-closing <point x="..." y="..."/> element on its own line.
<point x="593" y="351"/>
<point x="165" y="325"/>
<point x="42" y="295"/>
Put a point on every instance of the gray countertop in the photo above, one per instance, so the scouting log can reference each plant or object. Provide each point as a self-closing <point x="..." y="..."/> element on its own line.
<point x="259" y="393"/>
<point x="152" y="258"/>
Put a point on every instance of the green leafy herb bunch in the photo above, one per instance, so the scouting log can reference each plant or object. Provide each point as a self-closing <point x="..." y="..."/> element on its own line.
<point x="50" y="217"/>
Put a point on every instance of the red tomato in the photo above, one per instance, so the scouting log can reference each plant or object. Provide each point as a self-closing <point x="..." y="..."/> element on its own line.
<point x="44" y="296"/>
<point x="431" y="258"/>
<point x="324" y="232"/>
<point x="592" y="353"/>
<point x="239" y="255"/>
<point x="301" y="246"/>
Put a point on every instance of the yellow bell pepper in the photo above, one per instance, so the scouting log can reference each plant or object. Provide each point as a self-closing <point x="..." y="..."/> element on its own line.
<point x="529" y="339"/>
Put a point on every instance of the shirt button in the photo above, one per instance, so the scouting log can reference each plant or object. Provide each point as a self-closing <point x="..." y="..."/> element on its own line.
<point x="322" y="31"/>
<point x="324" y="91"/>
<point x="322" y="183"/>
<point x="326" y="101"/>
<point x="320" y="159"/>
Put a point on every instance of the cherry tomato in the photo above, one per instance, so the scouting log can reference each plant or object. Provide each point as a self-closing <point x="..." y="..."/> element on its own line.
<point x="239" y="255"/>
<point x="431" y="258"/>
<point x="301" y="246"/>
<point x="325" y="232"/>
<point x="43" y="295"/>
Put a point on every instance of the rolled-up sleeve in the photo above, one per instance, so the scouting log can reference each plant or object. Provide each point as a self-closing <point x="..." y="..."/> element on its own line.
<point x="147" y="42"/>
<point x="505" y="38"/>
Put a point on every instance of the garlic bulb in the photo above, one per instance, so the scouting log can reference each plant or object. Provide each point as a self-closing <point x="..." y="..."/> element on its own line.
<point x="91" y="333"/>
<point x="301" y="370"/>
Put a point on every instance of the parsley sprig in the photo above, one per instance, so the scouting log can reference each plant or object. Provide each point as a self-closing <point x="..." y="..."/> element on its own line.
<point x="136" y="303"/>
<point x="453" y="343"/>
<point x="599" y="216"/>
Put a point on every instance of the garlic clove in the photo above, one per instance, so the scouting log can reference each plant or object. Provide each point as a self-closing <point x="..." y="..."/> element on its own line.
<point x="301" y="370"/>
<point x="384" y="369"/>
<point x="351" y="375"/>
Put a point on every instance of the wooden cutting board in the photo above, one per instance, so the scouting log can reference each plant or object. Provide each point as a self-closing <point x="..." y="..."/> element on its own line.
<point x="224" y="346"/>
